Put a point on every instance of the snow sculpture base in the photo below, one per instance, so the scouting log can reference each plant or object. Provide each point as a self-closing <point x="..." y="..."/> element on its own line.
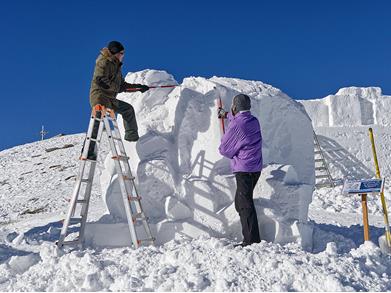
<point x="282" y="208"/>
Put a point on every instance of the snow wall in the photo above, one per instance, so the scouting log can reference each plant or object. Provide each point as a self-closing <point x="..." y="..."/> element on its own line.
<point x="351" y="106"/>
<point x="187" y="187"/>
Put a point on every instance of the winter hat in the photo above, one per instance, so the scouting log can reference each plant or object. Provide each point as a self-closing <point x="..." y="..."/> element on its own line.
<point x="242" y="102"/>
<point x="115" y="47"/>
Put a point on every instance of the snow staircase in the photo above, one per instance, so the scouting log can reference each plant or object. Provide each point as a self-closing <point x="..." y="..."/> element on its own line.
<point x="322" y="173"/>
<point x="103" y="120"/>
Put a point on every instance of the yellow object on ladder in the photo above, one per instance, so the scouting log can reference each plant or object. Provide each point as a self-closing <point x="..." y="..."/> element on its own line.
<point x="382" y="198"/>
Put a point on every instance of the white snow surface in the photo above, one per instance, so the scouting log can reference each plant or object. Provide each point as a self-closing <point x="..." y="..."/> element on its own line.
<point x="35" y="186"/>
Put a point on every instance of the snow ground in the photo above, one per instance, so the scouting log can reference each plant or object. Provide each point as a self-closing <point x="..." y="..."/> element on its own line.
<point x="32" y="208"/>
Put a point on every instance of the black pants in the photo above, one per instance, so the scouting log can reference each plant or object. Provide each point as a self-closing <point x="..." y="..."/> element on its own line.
<point x="128" y="115"/>
<point x="244" y="205"/>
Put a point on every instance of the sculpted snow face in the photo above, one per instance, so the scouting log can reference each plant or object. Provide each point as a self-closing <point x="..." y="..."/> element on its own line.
<point x="186" y="185"/>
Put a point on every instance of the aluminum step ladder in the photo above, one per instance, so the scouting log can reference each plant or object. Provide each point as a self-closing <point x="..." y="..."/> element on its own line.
<point x="322" y="173"/>
<point x="103" y="120"/>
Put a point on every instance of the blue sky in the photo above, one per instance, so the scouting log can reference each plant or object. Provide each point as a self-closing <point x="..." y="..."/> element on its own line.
<point x="308" y="49"/>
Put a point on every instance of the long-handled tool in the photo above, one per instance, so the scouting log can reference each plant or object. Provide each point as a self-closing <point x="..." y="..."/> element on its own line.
<point x="382" y="198"/>
<point x="151" y="87"/>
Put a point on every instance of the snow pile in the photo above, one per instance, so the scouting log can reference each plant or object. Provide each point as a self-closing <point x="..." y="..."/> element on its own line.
<point x="187" y="186"/>
<point x="198" y="265"/>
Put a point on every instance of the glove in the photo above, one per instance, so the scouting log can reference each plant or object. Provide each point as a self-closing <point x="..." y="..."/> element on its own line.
<point x="140" y="87"/>
<point x="143" y="88"/>
<point x="221" y="113"/>
<point x="103" y="82"/>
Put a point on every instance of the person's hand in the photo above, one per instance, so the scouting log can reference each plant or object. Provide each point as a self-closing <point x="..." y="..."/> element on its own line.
<point x="143" y="88"/>
<point x="221" y="113"/>
<point x="103" y="82"/>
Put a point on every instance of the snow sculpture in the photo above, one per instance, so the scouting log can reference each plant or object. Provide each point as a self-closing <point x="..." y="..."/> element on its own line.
<point x="186" y="185"/>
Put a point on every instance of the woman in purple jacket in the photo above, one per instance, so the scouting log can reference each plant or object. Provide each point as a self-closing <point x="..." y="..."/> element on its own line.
<point x="242" y="143"/>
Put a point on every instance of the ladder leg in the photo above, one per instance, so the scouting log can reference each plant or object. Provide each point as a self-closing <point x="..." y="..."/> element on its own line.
<point x="122" y="184"/>
<point x="87" y="194"/>
<point x="80" y="179"/>
<point x="132" y="189"/>
<point x="71" y="210"/>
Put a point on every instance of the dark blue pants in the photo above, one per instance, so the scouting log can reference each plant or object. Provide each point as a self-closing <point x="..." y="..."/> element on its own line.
<point x="244" y="205"/>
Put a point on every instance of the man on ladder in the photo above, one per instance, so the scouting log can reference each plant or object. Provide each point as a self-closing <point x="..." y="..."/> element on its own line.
<point x="106" y="83"/>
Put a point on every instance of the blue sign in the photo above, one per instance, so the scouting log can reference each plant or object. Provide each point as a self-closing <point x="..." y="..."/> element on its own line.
<point x="363" y="186"/>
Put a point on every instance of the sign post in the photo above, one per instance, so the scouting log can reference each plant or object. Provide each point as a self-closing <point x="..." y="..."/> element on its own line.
<point x="363" y="187"/>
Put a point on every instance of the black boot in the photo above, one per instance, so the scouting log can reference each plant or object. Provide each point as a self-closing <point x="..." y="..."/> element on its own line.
<point x="131" y="136"/>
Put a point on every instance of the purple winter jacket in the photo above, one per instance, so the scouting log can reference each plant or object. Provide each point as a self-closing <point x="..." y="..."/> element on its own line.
<point x="242" y="143"/>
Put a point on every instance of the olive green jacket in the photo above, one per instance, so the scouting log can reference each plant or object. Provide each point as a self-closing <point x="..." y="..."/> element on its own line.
<point x="107" y="80"/>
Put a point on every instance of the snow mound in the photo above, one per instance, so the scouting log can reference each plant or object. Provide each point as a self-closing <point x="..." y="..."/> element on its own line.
<point x="186" y="185"/>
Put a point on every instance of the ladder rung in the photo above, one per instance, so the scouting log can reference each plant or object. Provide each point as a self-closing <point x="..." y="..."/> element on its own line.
<point x="128" y="177"/>
<point x="123" y="158"/>
<point x="86" y="159"/>
<point x="71" y="242"/>
<point x="321" y="176"/>
<point x="324" y="185"/>
<point x="116" y="138"/>
<point x="74" y="221"/>
<point x="146" y="240"/>
<point x="320" y="168"/>
<point x="93" y="139"/>
<point x="318" y="160"/>
<point x="84" y="180"/>
<point x="317" y="152"/>
<point x="109" y="117"/>
<point x="81" y="201"/>
<point x="139" y="217"/>
<point x="134" y="198"/>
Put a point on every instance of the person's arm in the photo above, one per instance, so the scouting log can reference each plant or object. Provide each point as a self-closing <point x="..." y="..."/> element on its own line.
<point x="231" y="142"/>
<point x="129" y="86"/>
<point x="101" y="74"/>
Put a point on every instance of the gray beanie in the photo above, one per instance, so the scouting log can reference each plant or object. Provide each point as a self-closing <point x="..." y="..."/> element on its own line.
<point x="242" y="102"/>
